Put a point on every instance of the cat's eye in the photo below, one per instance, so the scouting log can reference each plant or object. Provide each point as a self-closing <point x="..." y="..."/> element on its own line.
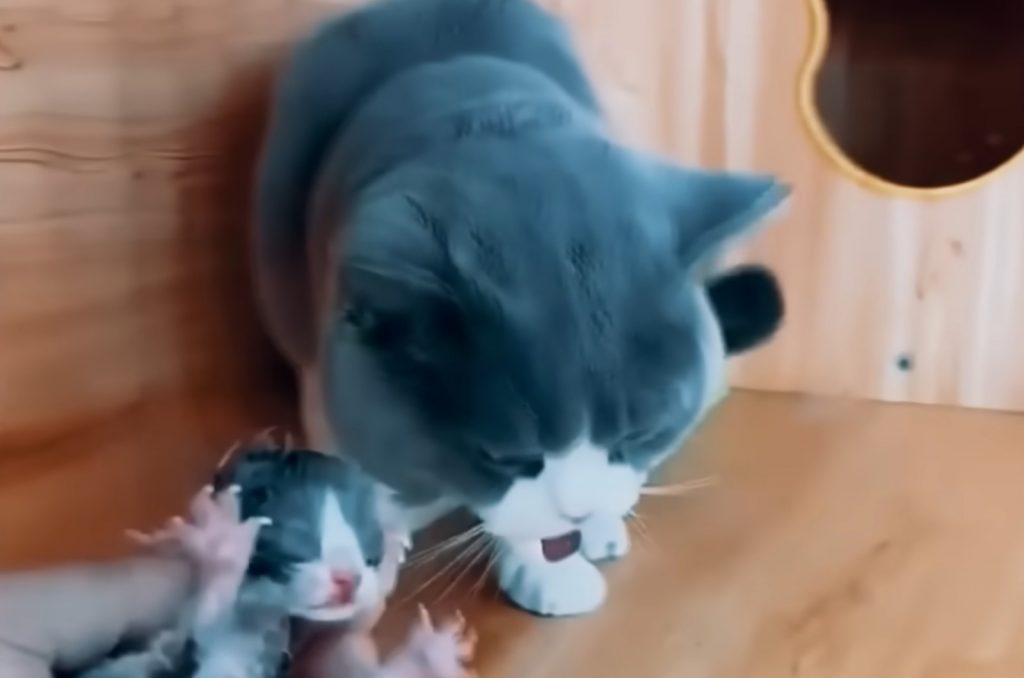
<point x="373" y="562"/>
<point x="528" y="468"/>
<point x="524" y="467"/>
<point x="617" y="457"/>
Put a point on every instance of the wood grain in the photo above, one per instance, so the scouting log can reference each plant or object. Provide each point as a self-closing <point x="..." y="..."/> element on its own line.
<point x="843" y="540"/>
<point x="870" y="277"/>
<point x="128" y="129"/>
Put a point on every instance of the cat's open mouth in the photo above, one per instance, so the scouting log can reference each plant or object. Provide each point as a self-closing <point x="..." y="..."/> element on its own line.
<point x="560" y="548"/>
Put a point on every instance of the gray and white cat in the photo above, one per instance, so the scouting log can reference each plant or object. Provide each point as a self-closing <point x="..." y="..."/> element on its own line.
<point x="490" y="302"/>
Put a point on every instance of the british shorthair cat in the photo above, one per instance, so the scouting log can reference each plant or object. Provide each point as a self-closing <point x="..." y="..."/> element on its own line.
<point x="492" y="303"/>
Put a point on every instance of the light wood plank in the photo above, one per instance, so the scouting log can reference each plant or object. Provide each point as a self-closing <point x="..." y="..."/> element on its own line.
<point x="843" y="540"/>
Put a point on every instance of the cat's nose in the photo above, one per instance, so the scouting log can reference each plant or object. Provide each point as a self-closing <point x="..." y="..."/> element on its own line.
<point x="345" y="585"/>
<point x="578" y="519"/>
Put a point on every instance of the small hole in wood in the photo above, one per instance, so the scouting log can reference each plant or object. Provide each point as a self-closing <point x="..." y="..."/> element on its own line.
<point x="905" y="362"/>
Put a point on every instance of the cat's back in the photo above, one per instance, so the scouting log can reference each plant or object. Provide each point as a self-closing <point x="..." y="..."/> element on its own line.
<point x="331" y="77"/>
<point x="386" y="38"/>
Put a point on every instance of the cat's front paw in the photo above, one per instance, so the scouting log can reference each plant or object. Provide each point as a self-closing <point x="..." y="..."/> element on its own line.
<point x="604" y="538"/>
<point x="566" y="588"/>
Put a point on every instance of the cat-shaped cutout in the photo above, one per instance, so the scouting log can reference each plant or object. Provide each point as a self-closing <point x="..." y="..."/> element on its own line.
<point x="917" y="95"/>
<point x="492" y="303"/>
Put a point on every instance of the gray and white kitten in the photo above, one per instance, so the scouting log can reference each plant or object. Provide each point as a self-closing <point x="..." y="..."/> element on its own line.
<point x="491" y="303"/>
<point x="318" y="560"/>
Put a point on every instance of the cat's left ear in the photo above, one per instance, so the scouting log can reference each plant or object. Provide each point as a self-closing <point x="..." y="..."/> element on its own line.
<point x="749" y="306"/>
<point x="710" y="209"/>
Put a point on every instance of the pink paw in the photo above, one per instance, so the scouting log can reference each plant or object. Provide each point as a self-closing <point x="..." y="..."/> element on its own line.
<point x="442" y="652"/>
<point x="215" y="541"/>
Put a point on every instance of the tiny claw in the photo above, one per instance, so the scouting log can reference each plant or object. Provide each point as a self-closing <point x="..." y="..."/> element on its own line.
<point x="227" y="455"/>
<point x="425" y="619"/>
<point x="263" y="520"/>
<point x="467" y="647"/>
<point x="235" y="489"/>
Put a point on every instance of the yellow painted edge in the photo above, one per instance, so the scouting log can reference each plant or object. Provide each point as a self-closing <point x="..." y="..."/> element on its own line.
<point x="819" y="20"/>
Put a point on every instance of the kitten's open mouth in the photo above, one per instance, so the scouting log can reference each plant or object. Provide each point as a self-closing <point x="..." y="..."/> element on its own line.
<point x="560" y="548"/>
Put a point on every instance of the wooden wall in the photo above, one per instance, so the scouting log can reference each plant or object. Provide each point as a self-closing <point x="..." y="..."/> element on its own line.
<point x="892" y="294"/>
<point x="127" y="131"/>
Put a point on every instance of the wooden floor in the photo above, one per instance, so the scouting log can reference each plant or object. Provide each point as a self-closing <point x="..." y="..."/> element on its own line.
<point x="844" y="540"/>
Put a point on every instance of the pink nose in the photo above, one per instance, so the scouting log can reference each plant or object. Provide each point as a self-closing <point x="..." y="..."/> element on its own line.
<point x="344" y="589"/>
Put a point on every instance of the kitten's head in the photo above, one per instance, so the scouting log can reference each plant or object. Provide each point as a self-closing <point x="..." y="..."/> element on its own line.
<point x="325" y="544"/>
<point x="533" y="337"/>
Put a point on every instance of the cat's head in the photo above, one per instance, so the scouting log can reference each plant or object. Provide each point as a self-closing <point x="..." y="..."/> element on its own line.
<point x="324" y="547"/>
<point x="533" y="337"/>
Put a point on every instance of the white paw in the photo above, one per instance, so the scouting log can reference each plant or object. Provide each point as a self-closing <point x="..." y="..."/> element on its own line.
<point x="569" y="587"/>
<point x="604" y="538"/>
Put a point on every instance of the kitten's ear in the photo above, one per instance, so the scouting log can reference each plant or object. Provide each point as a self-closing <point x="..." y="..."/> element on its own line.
<point x="712" y="208"/>
<point x="250" y="467"/>
<point x="748" y="304"/>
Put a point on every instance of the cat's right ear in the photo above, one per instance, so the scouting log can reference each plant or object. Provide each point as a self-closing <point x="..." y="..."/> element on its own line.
<point x="711" y="209"/>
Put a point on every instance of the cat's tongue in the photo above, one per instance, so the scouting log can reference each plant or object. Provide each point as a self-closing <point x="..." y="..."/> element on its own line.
<point x="560" y="548"/>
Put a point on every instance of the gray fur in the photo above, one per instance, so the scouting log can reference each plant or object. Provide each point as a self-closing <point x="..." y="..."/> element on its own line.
<point x="448" y="235"/>
<point x="289" y="487"/>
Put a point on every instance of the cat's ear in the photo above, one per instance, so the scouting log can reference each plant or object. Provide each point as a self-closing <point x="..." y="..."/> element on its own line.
<point x="748" y="305"/>
<point x="710" y="209"/>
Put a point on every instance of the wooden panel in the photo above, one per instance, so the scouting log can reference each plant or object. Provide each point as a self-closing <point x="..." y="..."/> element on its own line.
<point x="127" y="131"/>
<point x="127" y="135"/>
<point x="891" y="294"/>
<point x="833" y="546"/>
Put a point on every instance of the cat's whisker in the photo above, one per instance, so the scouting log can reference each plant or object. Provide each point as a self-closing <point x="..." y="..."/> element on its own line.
<point x="678" y="489"/>
<point x="448" y="544"/>
<point x="481" y="550"/>
<point x="643" y="532"/>
<point x="469" y="551"/>
<point x="455" y="538"/>
<point x="430" y="553"/>
<point x="458" y="567"/>
<point x="488" y="568"/>
<point x="640" y="523"/>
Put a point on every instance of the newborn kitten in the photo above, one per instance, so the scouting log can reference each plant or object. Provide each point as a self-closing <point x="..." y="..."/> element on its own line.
<point x="320" y="554"/>
<point x="490" y="302"/>
<point x="325" y="544"/>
